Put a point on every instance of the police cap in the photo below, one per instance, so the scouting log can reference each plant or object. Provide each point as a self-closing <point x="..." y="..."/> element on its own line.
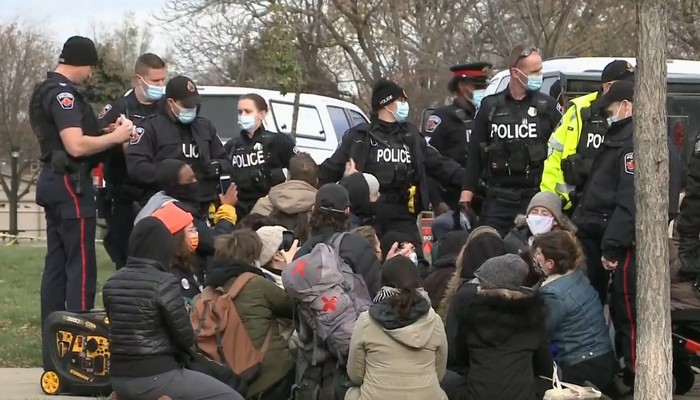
<point x="477" y="73"/>
<point x="78" y="51"/>
<point x="619" y="91"/>
<point x="617" y="71"/>
<point x="183" y="89"/>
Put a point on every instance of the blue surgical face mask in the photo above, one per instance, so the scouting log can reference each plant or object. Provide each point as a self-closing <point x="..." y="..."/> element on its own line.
<point x="477" y="96"/>
<point x="247" y="122"/>
<point x="402" y="109"/>
<point x="152" y="92"/>
<point x="187" y="115"/>
<point x="534" y="82"/>
<point x="614" y="118"/>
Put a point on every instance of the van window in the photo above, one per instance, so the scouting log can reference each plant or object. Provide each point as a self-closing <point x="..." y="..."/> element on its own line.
<point x="222" y="112"/>
<point x="356" y="118"/>
<point x="340" y="121"/>
<point x="308" y="122"/>
<point x="547" y="83"/>
<point x="503" y="83"/>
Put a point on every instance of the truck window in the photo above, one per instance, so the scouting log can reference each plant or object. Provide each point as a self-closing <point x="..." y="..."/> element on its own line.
<point x="340" y="121"/>
<point x="309" y="123"/>
<point x="222" y="112"/>
<point x="356" y="118"/>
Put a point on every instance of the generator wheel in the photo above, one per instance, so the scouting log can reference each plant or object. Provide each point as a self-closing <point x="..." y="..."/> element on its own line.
<point x="683" y="378"/>
<point x="50" y="383"/>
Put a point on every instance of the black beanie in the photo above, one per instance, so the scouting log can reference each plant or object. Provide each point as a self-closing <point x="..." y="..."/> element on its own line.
<point x="151" y="240"/>
<point x="385" y="92"/>
<point x="450" y="245"/>
<point x="78" y="51"/>
<point x="168" y="173"/>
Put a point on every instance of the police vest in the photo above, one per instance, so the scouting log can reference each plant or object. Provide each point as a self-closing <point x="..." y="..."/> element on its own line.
<point x="459" y="153"/>
<point x="516" y="146"/>
<point x="577" y="167"/>
<point x="250" y="161"/>
<point x="390" y="159"/>
<point x="42" y="123"/>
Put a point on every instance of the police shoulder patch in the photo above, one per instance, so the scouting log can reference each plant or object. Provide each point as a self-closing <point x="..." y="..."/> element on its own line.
<point x="697" y="146"/>
<point x="296" y="150"/>
<point x="629" y="163"/>
<point x="104" y="111"/>
<point x="433" y="122"/>
<point x="185" y="283"/>
<point x="136" y="135"/>
<point x="66" y="100"/>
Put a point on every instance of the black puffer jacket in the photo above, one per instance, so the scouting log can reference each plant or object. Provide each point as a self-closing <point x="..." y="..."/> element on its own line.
<point x="148" y="324"/>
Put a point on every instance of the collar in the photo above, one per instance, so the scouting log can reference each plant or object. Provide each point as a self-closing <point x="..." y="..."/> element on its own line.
<point x="509" y="96"/>
<point x="554" y="277"/>
<point x="619" y="133"/>
<point x="59" y="77"/>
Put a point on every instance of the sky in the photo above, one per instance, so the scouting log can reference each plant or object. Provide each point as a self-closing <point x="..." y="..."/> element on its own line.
<point x="63" y="19"/>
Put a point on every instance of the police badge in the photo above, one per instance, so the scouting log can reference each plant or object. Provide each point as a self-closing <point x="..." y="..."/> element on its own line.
<point x="532" y="111"/>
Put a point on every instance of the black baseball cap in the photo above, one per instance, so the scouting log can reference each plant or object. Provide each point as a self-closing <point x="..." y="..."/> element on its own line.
<point x="617" y="71"/>
<point x="332" y="197"/>
<point x="619" y="91"/>
<point x="78" y="51"/>
<point x="184" y="90"/>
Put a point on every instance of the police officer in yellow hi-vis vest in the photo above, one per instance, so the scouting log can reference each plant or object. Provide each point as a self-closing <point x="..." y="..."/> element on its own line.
<point x="578" y="139"/>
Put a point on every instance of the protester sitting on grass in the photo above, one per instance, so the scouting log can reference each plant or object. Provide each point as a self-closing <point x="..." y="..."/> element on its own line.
<point x="273" y="257"/>
<point x="149" y="330"/>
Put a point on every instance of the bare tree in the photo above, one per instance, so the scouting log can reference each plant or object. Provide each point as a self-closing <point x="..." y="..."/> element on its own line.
<point x="27" y="55"/>
<point x="653" y="380"/>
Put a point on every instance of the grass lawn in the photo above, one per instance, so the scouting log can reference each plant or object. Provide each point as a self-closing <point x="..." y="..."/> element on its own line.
<point x="20" y="280"/>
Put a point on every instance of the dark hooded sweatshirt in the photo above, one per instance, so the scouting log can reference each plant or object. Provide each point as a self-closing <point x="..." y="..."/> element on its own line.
<point x="360" y="206"/>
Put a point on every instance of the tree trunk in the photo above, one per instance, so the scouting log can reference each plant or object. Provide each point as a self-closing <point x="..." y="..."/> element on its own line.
<point x="295" y="114"/>
<point x="654" y="358"/>
<point x="12" y="197"/>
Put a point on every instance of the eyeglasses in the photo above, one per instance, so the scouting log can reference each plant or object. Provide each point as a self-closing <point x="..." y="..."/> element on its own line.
<point x="526" y="52"/>
<point x="192" y="231"/>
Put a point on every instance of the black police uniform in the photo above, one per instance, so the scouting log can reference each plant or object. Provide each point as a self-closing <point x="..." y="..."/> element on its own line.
<point x="66" y="192"/>
<point x="507" y="148"/>
<point x="120" y="192"/>
<point x="398" y="156"/>
<point x="258" y="164"/>
<point x="160" y="137"/>
<point x="688" y="222"/>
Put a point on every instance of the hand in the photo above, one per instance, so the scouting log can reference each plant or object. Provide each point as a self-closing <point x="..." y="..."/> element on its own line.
<point x="123" y="130"/>
<point x="443" y="208"/>
<point x="608" y="265"/>
<point x="350" y="168"/>
<point x="398" y="251"/>
<point x="466" y="197"/>
<point x="289" y="254"/>
<point x="231" y="195"/>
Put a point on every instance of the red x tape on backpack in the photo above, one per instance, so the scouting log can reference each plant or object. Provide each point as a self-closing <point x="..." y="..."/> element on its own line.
<point x="329" y="297"/>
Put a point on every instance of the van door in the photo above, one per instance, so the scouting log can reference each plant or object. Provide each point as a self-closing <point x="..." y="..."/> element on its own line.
<point x="222" y="111"/>
<point x="310" y="133"/>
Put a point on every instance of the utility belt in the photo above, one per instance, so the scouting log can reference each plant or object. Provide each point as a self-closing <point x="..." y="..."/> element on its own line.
<point x="78" y="171"/>
<point x="407" y="197"/>
<point x="124" y="192"/>
<point x="513" y="158"/>
<point x="576" y="169"/>
<point x="510" y="196"/>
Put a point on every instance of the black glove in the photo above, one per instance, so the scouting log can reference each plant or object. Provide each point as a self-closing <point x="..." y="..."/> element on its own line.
<point x="468" y="219"/>
<point x="689" y="255"/>
<point x="211" y="170"/>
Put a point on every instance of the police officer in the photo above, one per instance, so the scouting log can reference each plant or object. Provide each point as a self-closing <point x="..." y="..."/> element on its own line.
<point x="605" y="217"/>
<point x="120" y="193"/>
<point x="508" y="145"/>
<point x="575" y="143"/>
<point x="451" y="126"/>
<point x="69" y="139"/>
<point x="177" y="131"/>
<point x="392" y="149"/>
<point x="259" y="157"/>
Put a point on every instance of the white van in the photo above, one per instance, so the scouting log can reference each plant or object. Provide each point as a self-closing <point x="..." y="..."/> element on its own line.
<point x="321" y="123"/>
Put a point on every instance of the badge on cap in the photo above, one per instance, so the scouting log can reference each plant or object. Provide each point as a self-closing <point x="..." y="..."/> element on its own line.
<point x="104" y="111"/>
<point x="185" y="283"/>
<point x="136" y="135"/>
<point x="629" y="163"/>
<point x="66" y="100"/>
<point x="433" y="122"/>
<point x="190" y="86"/>
<point x="532" y="111"/>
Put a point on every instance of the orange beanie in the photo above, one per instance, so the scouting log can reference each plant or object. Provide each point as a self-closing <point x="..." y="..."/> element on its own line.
<point x="173" y="217"/>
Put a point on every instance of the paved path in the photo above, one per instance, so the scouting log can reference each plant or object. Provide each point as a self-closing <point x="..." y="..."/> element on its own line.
<point x="23" y="384"/>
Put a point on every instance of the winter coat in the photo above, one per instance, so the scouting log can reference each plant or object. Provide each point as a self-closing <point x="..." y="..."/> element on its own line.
<point x="503" y="335"/>
<point x="148" y="322"/>
<point x="684" y="296"/>
<point x="355" y="250"/>
<point x="260" y="304"/>
<point x="391" y="358"/>
<point x="291" y="197"/>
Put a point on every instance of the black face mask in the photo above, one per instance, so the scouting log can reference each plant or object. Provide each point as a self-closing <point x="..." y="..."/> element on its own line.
<point x="190" y="192"/>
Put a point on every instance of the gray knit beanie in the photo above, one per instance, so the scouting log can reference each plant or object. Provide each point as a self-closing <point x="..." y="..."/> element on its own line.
<point x="503" y="272"/>
<point x="552" y="202"/>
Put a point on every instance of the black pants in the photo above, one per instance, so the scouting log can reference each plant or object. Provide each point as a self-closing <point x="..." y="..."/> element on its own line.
<point x="454" y="385"/>
<point x="70" y="268"/>
<point x="599" y="371"/>
<point x="500" y="214"/>
<point x="597" y="275"/>
<point x="120" y="222"/>
<point x="623" y="309"/>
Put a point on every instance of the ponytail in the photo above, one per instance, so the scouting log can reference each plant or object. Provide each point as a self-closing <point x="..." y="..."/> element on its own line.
<point x="404" y="301"/>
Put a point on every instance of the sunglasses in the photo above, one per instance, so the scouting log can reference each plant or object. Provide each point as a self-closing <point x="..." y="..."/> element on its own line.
<point x="526" y="52"/>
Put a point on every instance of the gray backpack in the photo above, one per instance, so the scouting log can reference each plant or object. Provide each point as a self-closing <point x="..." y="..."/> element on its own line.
<point x="329" y="297"/>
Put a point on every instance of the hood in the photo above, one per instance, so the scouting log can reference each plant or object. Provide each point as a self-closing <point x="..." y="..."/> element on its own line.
<point x="221" y="271"/>
<point x="494" y="318"/>
<point x="414" y="332"/>
<point x="156" y="201"/>
<point x="292" y="197"/>
<point x="151" y="240"/>
<point x="564" y="222"/>
<point x="358" y="189"/>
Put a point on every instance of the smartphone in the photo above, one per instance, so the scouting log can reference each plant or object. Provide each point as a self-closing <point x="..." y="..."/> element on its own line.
<point x="224" y="183"/>
<point x="287" y="240"/>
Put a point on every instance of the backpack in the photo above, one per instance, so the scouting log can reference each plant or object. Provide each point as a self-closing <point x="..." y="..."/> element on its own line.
<point x="221" y="335"/>
<point x="329" y="296"/>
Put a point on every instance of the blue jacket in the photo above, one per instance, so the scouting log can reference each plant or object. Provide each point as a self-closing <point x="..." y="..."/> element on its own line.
<point x="575" y="320"/>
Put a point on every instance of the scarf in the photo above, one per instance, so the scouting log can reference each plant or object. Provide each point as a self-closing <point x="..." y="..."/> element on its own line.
<point x="387" y="291"/>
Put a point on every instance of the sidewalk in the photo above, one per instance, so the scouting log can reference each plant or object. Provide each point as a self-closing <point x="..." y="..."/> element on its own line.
<point x="23" y="384"/>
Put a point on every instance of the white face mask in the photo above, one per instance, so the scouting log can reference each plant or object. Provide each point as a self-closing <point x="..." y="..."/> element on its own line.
<point x="414" y="257"/>
<point x="539" y="224"/>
